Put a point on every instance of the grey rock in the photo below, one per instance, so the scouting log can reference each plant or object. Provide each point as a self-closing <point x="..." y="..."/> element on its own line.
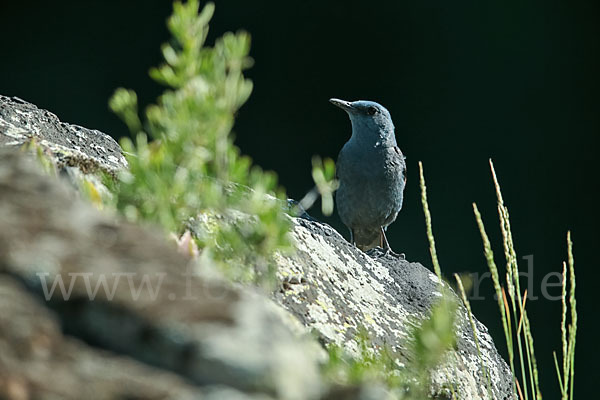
<point x="201" y="329"/>
<point x="38" y="361"/>
<point x="342" y="289"/>
<point x="69" y="144"/>
<point x="227" y="342"/>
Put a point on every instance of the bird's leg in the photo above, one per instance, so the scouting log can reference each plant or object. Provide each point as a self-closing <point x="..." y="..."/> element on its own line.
<point x="383" y="240"/>
<point x="352" y="237"/>
<point x="385" y="245"/>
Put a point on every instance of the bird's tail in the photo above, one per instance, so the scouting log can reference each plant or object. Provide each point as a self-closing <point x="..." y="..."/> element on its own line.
<point x="366" y="239"/>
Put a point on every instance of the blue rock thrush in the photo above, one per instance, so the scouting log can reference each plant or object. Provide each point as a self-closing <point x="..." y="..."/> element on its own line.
<point x="372" y="173"/>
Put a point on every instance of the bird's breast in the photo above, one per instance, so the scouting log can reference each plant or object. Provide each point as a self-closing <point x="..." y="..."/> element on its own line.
<point x="371" y="185"/>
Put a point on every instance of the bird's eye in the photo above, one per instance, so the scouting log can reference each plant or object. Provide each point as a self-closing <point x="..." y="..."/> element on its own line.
<point x="371" y="110"/>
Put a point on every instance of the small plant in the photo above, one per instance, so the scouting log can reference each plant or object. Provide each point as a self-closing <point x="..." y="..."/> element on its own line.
<point x="427" y="345"/>
<point x="323" y="174"/>
<point x="191" y="172"/>
<point x="368" y="366"/>
<point x="430" y="342"/>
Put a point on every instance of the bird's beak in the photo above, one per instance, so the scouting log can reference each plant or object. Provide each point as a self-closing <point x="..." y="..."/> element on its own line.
<point x="343" y="104"/>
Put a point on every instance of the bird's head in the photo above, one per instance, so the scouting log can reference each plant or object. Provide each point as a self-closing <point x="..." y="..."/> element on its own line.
<point x="370" y="120"/>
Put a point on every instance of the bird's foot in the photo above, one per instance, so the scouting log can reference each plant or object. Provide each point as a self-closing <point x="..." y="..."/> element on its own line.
<point x="391" y="252"/>
<point x="382" y="252"/>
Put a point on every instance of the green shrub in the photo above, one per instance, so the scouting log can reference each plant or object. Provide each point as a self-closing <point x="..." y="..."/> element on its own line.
<point x="191" y="166"/>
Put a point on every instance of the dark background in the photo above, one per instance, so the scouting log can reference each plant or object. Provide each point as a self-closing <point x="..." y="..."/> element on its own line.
<point x="464" y="81"/>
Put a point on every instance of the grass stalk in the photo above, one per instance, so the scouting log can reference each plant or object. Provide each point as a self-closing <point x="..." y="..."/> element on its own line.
<point x="563" y="331"/>
<point x="523" y="344"/>
<point x="560" y="383"/>
<point x="519" y="388"/>
<point x="533" y="363"/>
<point x="573" y="306"/>
<point x="432" y="250"/>
<point x="500" y="294"/>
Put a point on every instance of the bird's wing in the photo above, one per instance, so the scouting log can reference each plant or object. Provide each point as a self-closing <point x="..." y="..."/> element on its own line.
<point x="402" y="162"/>
<point x="338" y="162"/>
